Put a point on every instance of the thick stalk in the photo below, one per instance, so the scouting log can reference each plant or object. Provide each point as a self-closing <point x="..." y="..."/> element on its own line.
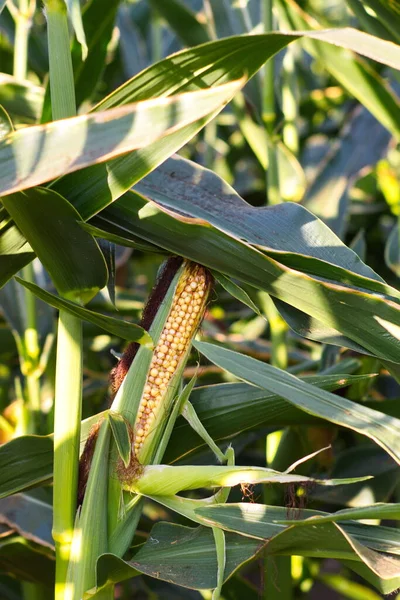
<point x="269" y="115"/>
<point x="61" y="74"/>
<point x="68" y="394"/>
<point x="67" y="418"/>
<point x="23" y="20"/>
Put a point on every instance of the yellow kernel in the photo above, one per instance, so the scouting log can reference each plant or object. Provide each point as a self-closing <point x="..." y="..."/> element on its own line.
<point x="178" y="320"/>
<point x="151" y="402"/>
<point x="181" y="346"/>
<point x="164" y="348"/>
<point x="172" y="331"/>
<point x="193" y="285"/>
<point x="147" y="388"/>
<point x="165" y="364"/>
<point x="174" y="346"/>
<point x="144" y="402"/>
<point x="161" y="354"/>
<point x="139" y="432"/>
<point x="163" y="386"/>
<point x="201" y="293"/>
<point x="173" y="363"/>
<point x="154" y="372"/>
<point x="170" y="338"/>
<point x="196" y="308"/>
<point x="159" y="361"/>
<point x="171" y="369"/>
<point x="151" y="379"/>
<point x="154" y="393"/>
<point x="158" y="381"/>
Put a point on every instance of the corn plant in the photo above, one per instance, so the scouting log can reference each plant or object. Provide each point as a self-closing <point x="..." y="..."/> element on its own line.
<point x="291" y="440"/>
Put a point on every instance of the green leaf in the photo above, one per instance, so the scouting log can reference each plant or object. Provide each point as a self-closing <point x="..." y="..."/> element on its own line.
<point x="69" y="253"/>
<point x="322" y="540"/>
<point x="185" y="187"/>
<point x="376" y="511"/>
<point x="123" y="329"/>
<point x="228" y="409"/>
<point x="120" y="431"/>
<point x="180" y="555"/>
<point x="98" y="18"/>
<point x="29" y="517"/>
<point x="190" y="69"/>
<point x="34" y="155"/>
<point x="370" y="320"/>
<point x="25" y="462"/>
<point x="164" y="480"/>
<point x="236" y="291"/>
<point x="379" y="427"/>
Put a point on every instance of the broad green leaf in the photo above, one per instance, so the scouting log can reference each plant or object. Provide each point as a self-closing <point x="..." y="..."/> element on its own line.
<point x="164" y="480"/>
<point x="29" y="517"/>
<point x="185" y="187"/>
<point x="370" y="320"/>
<point x="69" y="253"/>
<point x="34" y="155"/>
<point x="182" y="555"/>
<point x="22" y="99"/>
<point x="2" y="4"/>
<point x="25" y="462"/>
<point x="356" y="76"/>
<point x="123" y="329"/>
<point x="322" y="540"/>
<point x="384" y="430"/>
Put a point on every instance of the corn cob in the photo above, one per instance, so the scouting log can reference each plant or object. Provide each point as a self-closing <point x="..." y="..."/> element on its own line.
<point x="184" y="317"/>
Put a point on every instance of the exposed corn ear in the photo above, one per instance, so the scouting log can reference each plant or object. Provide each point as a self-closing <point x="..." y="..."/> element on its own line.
<point x="187" y="310"/>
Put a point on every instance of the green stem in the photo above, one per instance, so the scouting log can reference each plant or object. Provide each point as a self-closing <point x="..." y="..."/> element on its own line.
<point x="23" y="22"/>
<point x="68" y="393"/>
<point x="269" y="114"/>
<point x="62" y="89"/>
<point x="67" y="418"/>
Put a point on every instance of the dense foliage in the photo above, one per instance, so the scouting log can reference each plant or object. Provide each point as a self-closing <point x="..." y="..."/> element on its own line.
<point x="249" y="444"/>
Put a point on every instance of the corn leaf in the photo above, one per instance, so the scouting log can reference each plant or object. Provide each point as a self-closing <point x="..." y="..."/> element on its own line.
<point x="384" y="430"/>
<point x="69" y="253"/>
<point x="123" y="329"/>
